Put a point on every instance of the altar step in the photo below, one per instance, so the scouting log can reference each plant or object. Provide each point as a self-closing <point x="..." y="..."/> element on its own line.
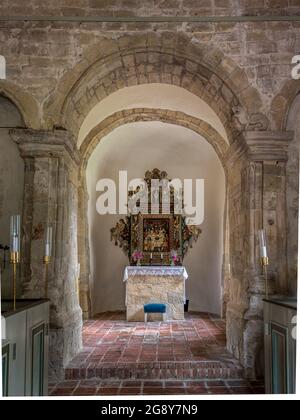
<point x="207" y="370"/>
<point x="194" y="349"/>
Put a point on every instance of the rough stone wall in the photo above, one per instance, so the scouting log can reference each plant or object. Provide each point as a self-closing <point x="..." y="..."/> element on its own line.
<point x="257" y="199"/>
<point x="275" y="222"/>
<point x="151" y="7"/>
<point x="39" y="53"/>
<point x="237" y="300"/>
<point x="141" y="290"/>
<point x="84" y="249"/>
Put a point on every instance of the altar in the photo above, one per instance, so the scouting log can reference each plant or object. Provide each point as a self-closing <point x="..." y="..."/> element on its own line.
<point x="148" y="284"/>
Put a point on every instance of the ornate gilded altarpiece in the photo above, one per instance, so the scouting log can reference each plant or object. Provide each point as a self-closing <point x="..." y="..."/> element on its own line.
<point x="157" y="236"/>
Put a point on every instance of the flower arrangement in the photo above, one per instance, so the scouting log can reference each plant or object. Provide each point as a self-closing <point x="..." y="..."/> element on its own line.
<point x="174" y="258"/>
<point x="137" y="257"/>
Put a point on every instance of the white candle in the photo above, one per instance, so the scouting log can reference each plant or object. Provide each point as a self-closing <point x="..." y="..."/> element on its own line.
<point x="162" y="256"/>
<point x="15" y="233"/>
<point x="15" y="244"/>
<point x="263" y="252"/>
<point x="262" y="243"/>
<point x="48" y="243"/>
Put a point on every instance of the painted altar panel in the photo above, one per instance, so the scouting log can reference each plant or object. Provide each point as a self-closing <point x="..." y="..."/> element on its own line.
<point x="156" y="237"/>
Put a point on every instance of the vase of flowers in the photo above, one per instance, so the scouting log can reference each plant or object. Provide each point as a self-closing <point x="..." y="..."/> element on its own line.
<point x="137" y="257"/>
<point x="174" y="258"/>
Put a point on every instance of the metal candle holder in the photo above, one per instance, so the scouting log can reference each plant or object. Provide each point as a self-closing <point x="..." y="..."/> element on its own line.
<point x="15" y="252"/>
<point x="47" y="256"/>
<point x="264" y="257"/>
<point x="14" y="260"/>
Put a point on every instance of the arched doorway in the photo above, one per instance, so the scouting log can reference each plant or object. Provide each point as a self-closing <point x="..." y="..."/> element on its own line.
<point x="108" y="118"/>
<point x="136" y="147"/>
<point x="224" y="132"/>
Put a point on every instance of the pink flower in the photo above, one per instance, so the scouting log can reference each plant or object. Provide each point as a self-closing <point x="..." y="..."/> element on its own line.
<point x="174" y="257"/>
<point x="137" y="255"/>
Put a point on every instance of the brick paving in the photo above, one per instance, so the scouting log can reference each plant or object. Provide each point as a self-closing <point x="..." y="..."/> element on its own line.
<point x="158" y="358"/>
<point x="132" y="387"/>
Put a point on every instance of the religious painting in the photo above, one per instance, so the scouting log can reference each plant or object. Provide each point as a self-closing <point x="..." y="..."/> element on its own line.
<point x="153" y="236"/>
<point x="156" y="235"/>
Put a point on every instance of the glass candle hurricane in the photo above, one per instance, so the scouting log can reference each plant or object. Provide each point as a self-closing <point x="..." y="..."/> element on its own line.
<point x="262" y="243"/>
<point x="15" y="234"/>
<point x="48" y="242"/>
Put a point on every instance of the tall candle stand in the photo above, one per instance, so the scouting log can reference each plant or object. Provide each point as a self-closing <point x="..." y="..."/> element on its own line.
<point x="14" y="260"/>
<point x="47" y="257"/>
<point x="15" y="253"/>
<point x="264" y="257"/>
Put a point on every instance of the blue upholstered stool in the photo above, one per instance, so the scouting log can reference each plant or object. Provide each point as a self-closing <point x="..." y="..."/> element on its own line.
<point x="155" y="308"/>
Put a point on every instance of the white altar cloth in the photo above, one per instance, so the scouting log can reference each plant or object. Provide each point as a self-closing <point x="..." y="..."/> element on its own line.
<point x="160" y="271"/>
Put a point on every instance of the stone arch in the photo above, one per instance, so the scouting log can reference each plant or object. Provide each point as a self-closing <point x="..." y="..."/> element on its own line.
<point x="89" y="144"/>
<point x="149" y="114"/>
<point x="282" y="103"/>
<point x="25" y="103"/>
<point x="151" y="58"/>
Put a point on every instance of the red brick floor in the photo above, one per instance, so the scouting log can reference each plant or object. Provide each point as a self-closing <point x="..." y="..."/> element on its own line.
<point x="131" y="387"/>
<point x="159" y="358"/>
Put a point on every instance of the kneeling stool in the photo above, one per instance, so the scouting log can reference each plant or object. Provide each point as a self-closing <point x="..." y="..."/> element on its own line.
<point x="155" y="308"/>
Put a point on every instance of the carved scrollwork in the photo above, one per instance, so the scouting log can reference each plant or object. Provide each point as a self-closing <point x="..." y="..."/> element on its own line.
<point x="120" y="234"/>
<point x="190" y="236"/>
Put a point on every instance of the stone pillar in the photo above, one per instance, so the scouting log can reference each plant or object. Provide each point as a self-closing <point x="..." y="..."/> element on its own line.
<point x="50" y="197"/>
<point x="268" y="155"/>
<point x="84" y="247"/>
<point x="257" y="199"/>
